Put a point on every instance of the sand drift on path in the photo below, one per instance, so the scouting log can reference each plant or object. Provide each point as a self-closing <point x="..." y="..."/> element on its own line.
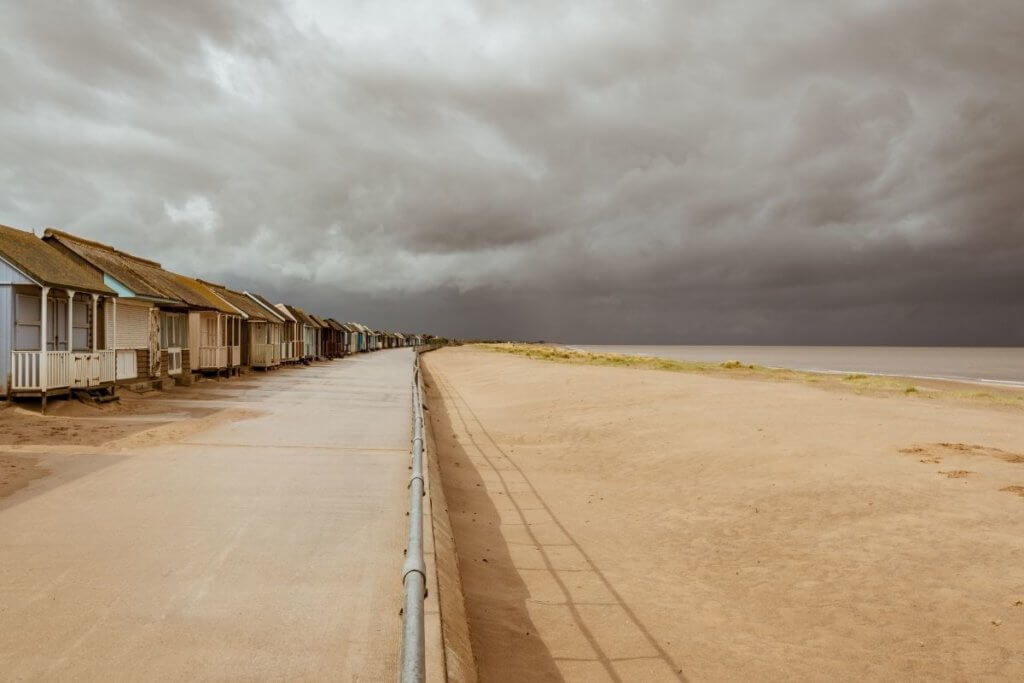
<point x="623" y="524"/>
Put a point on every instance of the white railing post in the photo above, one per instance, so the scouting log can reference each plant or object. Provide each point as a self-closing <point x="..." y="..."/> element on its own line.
<point x="95" y="298"/>
<point x="42" y="341"/>
<point x="71" y="319"/>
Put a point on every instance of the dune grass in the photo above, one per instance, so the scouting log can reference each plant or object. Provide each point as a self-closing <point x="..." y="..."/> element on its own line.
<point x="861" y="384"/>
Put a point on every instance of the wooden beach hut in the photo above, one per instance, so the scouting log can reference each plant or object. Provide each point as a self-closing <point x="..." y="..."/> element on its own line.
<point x="148" y="319"/>
<point x="214" y="332"/>
<point x="281" y="331"/>
<point x="292" y="341"/>
<point x="307" y="332"/>
<point x="359" y="339"/>
<point x="260" y="346"/>
<point x="336" y="337"/>
<point x="343" y="336"/>
<point x="274" y="337"/>
<point x="50" y="320"/>
<point x="350" y="338"/>
<point x="322" y="334"/>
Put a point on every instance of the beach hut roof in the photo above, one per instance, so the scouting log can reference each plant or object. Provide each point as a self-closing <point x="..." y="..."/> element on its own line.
<point x="273" y="313"/>
<point x="335" y="325"/>
<point x="143" y="277"/>
<point x="301" y="316"/>
<point x="285" y="313"/>
<point x="46" y="264"/>
<point x="249" y="308"/>
<point x="201" y="292"/>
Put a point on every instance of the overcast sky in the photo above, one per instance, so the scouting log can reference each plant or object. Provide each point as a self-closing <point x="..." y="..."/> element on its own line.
<point x="671" y="171"/>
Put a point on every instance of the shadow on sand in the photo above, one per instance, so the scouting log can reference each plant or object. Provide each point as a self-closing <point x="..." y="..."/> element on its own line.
<point x="519" y="563"/>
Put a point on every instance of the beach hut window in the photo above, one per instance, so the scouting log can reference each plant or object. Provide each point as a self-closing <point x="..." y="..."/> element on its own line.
<point x="81" y="329"/>
<point x="26" y="323"/>
<point x="57" y="325"/>
<point x="173" y="327"/>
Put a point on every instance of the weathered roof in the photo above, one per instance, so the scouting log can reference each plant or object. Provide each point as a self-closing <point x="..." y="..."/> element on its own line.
<point x="249" y="308"/>
<point x="273" y="313"/>
<point x="301" y="316"/>
<point x="285" y="313"/>
<point x="205" y="294"/>
<point x="335" y="325"/>
<point x="46" y="264"/>
<point x="133" y="272"/>
<point x="144" y="277"/>
<point x="318" y="320"/>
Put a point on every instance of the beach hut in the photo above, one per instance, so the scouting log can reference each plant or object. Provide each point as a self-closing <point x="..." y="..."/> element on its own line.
<point x="50" y="321"/>
<point x="347" y="338"/>
<point x="264" y="356"/>
<point x="351" y="337"/>
<point x="309" y="334"/>
<point x="323" y="331"/>
<point x="214" y="332"/>
<point x="260" y="347"/>
<point x="306" y="330"/>
<point x="149" y="317"/>
<point x="291" y="346"/>
<point x="336" y="337"/>
<point x="362" y="337"/>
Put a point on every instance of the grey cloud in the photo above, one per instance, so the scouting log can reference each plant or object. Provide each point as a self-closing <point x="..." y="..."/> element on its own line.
<point x="588" y="171"/>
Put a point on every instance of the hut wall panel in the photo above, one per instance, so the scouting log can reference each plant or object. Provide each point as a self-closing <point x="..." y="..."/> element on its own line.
<point x="6" y="333"/>
<point x="132" y="324"/>
<point x="9" y="275"/>
<point x="193" y="337"/>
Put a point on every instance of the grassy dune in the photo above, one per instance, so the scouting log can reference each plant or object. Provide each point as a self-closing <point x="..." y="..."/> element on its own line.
<point x="854" y="383"/>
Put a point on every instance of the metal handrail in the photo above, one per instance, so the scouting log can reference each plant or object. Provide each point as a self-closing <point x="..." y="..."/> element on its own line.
<point x="414" y="572"/>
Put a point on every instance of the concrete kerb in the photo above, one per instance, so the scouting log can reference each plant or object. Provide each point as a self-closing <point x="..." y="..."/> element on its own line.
<point x="447" y="627"/>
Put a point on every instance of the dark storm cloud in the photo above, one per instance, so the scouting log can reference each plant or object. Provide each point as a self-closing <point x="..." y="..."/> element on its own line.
<point x="662" y="171"/>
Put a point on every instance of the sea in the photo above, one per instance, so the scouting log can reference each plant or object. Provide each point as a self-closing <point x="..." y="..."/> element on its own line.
<point x="982" y="365"/>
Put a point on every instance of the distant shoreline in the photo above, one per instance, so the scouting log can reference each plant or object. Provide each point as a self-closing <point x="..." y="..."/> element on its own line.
<point x="983" y="366"/>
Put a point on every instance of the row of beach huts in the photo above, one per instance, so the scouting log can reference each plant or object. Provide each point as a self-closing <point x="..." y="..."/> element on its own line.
<point x="80" y="316"/>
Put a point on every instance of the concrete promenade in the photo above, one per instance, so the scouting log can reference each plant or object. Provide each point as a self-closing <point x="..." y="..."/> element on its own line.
<point x="266" y="547"/>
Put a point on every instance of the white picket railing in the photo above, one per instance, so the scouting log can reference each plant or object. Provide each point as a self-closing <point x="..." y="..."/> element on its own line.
<point x="58" y="369"/>
<point x="107" y="362"/>
<point x="263" y="355"/>
<point x="25" y="370"/>
<point x="213" y="357"/>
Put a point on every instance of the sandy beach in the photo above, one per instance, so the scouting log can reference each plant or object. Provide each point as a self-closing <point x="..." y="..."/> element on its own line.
<point x="630" y="524"/>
